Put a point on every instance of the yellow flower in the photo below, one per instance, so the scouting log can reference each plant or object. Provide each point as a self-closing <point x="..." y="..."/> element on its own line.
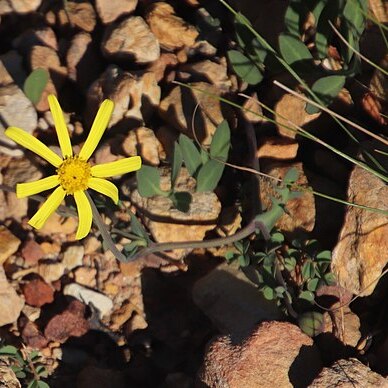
<point x="74" y="173"/>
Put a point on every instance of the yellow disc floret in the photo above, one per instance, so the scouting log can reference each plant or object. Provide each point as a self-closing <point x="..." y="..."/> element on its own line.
<point x="74" y="174"/>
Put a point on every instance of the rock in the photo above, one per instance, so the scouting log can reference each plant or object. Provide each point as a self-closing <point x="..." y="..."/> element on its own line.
<point x="33" y="337"/>
<point x="32" y="313"/>
<point x="301" y="217"/>
<point x="177" y="108"/>
<point x="51" y="272"/>
<point x="21" y="170"/>
<point x="19" y="6"/>
<point x="92" y="245"/>
<point x="86" y="276"/>
<point x="81" y="15"/>
<point x="291" y="110"/>
<point x="110" y="10"/>
<point x="343" y="323"/>
<point x="32" y="252"/>
<point x="160" y="66"/>
<point x="142" y="141"/>
<point x="215" y="73"/>
<point x="361" y="252"/>
<point x="37" y="293"/>
<point x="348" y="374"/>
<point x="11" y="303"/>
<point x="176" y="225"/>
<point x="252" y="110"/>
<point x="44" y="36"/>
<point x="73" y="256"/>
<point x="12" y="102"/>
<point x="9" y="244"/>
<point x="15" y="72"/>
<point x="229" y="221"/>
<point x="8" y="378"/>
<point x="222" y="290"/>
<point x="379" y="10"/>
<point x="70" y="323"/>
<point x="171" y="30"/>
<point x="278" y="148"/>
<point x="131" y="40"/>
<point x="100" y="301"/>
<point x="43" y="57"/>
<point x="276" y="354"/>
<point x="57" y="224"/>
<point x="83" y="62"/>
<point x="135" y="98"/>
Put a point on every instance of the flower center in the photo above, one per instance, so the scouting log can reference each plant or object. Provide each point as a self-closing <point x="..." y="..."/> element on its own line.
<point x="74" y="174"/>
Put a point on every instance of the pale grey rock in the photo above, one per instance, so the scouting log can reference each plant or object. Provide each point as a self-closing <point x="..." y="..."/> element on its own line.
<point x="99" y="301"/>
<point x="110" y="10"/>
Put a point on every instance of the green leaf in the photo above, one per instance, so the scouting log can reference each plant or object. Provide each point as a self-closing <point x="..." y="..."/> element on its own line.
<point x="41" y="370"/>
<point x="181" y="200"/>
<point x="268" y="293"/>
<point x="8" y="350"/>
<point x="330" y="279"/>
<point x="219" y="147"/>
<point x="306" y="295"/>
<point x="245" y="68"/>
<point x="229" y="256"/>
<point x="290" y="263"/>
<point x="190" y="153"/>
<point x="277" y="237"/>
<point x="312" y="284"/>
<point x="308" y="270"/>
<point x="243" y="261"/>
<point x="137" y="227"/>
<point x="311" y="323"/>
<point x="42" y="384"/>
<point x="35" y="83"/>
<point x="177" y="161"/>
<point x="204" y="156"/>
<point x="209" y="175"/>
<point x="293" y="16"/>
<point x="353" y="14"/>
<point x="327" y="89"/>
<point x="324" y="256"/>
<point x="293" y="50"/>
<point x="148" y="181"/>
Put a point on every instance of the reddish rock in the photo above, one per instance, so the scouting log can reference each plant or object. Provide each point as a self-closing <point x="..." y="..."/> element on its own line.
<point x="277" y="354"/>
<point x="70" y="323"/>
<point x="32" y="252"/>
<point x="37" y="293"/>
<point x="33" y="337"/>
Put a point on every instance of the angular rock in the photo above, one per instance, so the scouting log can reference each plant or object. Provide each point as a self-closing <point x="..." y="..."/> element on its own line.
<point x="57" y="224"/>
<point x="33" y="337"/>
<point x="100" y="301"/>
<point x="19" y="6"/>
<point x="178" y="107"/>
<point x="131" y="40"/>
<point x="221" y="291"/>
<point x="9" y="244"/>
<point x="301" y="217"/>
<point x="348" y="374"/>
<point x="166" y="223"/>
<point x="37" y="293"/>
<point x="142" y="141"/>
<point x="110" y="10"/>
<point x="70" y="323"/>
<point x="278" y="148"/>
<point x="51" y="272"/>
<point x="135" y="97"/>
<point x="86" y="276"/>
<point x="82" y="15"/>
<point x="83" y="62"/>
<point x="171" y="30"/>
<point x="361" y="252"/>
<point x="160" y="66"/>
<point x="12" y="102"/>
<point x="32" y="252"/>
<point x="11" y="303"/>
<point x="277" y="354"/>
<point x="73" y="256"/>
<point x="291" y="109"/>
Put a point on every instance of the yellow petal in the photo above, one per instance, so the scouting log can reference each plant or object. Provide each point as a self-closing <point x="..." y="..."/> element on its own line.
<point x="85" y="215"/>
<point x="31" y="188"/>
<point x="48" y="208"/>
<point x="118" y="167"/>
<point x="60" y="126"/>
<point x="104" y="187"/>
<point x="33" y="144"/>
<point x="98" y="128"/>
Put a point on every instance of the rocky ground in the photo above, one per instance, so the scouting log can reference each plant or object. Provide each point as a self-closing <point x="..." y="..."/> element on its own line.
<point x="152" y="322"/>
